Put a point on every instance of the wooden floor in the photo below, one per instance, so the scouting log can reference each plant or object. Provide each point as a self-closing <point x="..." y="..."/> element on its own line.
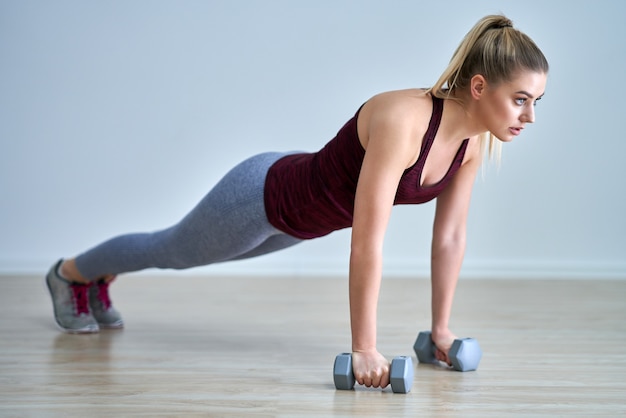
<point x="237" y="347"/>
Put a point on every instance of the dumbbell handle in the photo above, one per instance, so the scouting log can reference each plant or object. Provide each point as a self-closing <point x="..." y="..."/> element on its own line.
<point x="465" y="353"/>
<point x="400" y="374"/>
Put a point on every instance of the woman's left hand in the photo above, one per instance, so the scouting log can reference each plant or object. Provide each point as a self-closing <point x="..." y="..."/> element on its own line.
<point x="443" y="340"/>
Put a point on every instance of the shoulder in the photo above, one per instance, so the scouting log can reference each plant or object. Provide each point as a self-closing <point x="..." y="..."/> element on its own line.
<point x="394" y="114"/>
<point x="399" y="105"/>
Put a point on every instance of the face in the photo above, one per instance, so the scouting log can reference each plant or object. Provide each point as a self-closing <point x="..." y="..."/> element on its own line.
<point x="506" y="108"/>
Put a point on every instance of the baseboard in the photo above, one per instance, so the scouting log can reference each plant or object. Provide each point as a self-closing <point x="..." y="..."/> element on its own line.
<point x="472" y="269"/>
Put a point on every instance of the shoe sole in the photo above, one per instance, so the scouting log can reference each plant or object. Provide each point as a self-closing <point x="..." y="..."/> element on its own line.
<point x="116" y="325"/>
<point x="77" y="331"/>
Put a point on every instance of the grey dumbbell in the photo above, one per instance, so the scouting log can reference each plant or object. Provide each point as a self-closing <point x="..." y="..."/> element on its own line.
<point x="400" y="374"/>
<point x="465" y="353"/>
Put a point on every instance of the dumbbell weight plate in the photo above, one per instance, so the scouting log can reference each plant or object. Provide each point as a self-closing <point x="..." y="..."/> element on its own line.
<point x="401" y="374"/>
<point x="342" y="372"/>
<point x="465" y="354"/>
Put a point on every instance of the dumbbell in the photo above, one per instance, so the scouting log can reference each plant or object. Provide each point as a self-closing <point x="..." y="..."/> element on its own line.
<point x="464" y="354"/>
<point x="400" y="375"/>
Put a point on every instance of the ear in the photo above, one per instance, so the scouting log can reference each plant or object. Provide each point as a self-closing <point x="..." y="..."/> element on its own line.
<point x="478" y="84"/>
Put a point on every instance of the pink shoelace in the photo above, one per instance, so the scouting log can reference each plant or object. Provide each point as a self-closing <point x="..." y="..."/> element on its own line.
<point x="81" y="298"/>
<point x="103" y="294"/>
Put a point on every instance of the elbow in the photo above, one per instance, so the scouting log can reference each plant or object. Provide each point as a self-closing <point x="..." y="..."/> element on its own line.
<point x="449" y="243"/>
<point x="449" y="235"/>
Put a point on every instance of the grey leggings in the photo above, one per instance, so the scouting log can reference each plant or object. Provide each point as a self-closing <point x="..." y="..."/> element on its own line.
<point x="229" y="223"/>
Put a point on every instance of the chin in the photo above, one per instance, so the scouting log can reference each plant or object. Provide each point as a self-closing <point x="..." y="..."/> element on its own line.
<point x="504" y="137"/>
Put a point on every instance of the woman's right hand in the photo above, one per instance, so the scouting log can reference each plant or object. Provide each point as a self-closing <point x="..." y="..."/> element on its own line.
<point x="370" y="369"/>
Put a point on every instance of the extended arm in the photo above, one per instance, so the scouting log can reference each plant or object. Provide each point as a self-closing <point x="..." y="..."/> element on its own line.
<point x="448" y="247"/>
<point x="389" y="151"/>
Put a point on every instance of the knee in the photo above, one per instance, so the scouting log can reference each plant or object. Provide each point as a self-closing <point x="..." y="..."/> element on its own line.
<point x="173" y="249"/>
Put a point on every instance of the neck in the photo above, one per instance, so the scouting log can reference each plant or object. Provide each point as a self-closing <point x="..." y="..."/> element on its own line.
<point x="460" y="120"/>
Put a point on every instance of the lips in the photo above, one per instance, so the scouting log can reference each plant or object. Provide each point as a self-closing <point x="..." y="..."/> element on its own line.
<point x="515" y="131"/>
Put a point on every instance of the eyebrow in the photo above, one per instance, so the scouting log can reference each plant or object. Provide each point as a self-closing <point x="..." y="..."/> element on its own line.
<point x="530" y="96"/>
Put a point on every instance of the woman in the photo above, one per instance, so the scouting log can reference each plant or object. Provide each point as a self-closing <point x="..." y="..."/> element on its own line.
<point x="401" y="147"/>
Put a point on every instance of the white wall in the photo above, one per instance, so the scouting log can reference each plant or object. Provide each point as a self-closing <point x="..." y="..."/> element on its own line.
<point x="118" y="116"/>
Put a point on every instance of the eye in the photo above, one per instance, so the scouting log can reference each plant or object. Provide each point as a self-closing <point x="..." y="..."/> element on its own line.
<point x="535" y="102"/>
<point x="520" y="101"/>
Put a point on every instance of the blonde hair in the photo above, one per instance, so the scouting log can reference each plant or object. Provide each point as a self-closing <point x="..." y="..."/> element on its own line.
<point x="497" y="51"/>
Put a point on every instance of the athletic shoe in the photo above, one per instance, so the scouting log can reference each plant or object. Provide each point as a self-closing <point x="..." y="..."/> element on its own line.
<point x="71" y="303"/>
<point x="102" y="308"/>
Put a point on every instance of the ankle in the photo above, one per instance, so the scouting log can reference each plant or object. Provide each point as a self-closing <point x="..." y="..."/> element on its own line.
<point x="68" y="271"/>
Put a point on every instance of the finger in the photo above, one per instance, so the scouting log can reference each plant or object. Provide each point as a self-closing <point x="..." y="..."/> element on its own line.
<point x="441" y="356"/>
<point x="363" y="379"/>
<point x="445" y="359"/>
<point x="384" y="380"/>
<point x="382" y="376"/>
<point x="376" y="380"/>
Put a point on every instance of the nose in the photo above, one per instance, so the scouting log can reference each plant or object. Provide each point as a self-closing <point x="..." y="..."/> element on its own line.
<point x="529" y="115"/>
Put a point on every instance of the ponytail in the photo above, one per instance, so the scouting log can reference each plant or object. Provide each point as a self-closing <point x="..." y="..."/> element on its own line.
<point x="497" y="51"/>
